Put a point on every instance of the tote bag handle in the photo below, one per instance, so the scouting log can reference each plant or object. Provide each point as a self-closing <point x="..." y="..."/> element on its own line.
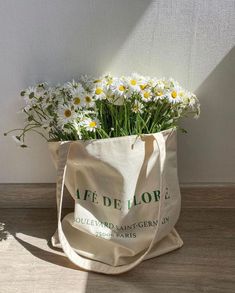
<point x="74" y="257"/>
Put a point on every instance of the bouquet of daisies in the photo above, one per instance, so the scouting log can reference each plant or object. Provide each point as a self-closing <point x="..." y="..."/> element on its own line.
<point x="92" y="108"/>
<point x="115" y="182"/>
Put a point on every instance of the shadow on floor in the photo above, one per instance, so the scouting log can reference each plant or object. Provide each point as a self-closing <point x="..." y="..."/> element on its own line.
<point x="193" y="268"/>
<point x="38" y="225"/>
<point x="3" y="232"/>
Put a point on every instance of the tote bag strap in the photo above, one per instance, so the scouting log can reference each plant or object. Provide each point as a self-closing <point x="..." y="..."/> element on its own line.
<point x="88" y="264"/>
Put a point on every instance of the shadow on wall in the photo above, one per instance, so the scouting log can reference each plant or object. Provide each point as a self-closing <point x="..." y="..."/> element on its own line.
<point x="82" y="38"/>
<point x="213" y="154"/>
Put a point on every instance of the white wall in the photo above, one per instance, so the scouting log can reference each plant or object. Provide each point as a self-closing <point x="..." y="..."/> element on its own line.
<point x="58" y="40"/>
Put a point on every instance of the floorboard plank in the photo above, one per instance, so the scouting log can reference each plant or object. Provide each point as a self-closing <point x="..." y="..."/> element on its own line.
<point x="206" y="262"/>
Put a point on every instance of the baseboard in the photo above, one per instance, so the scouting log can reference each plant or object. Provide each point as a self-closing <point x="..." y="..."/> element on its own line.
<point x="42" y="195"/>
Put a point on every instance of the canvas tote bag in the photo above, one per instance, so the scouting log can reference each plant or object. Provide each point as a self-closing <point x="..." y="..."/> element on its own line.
<point x="127" y="200"/>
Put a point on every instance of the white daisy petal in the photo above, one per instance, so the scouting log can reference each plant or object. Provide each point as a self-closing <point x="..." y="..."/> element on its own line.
<point x="100" y="91"/>
<point x="119" y="87"/>
<point x="173" y="97"/>
<point x="146" y="95"/>
<point x="89" y="101"/>
<point x="78" y="97"/>
<point x="137" y="107"/>
<point x="65" y="115"/>
<point x="133" y="82"/>
<point x="91" y="124"/>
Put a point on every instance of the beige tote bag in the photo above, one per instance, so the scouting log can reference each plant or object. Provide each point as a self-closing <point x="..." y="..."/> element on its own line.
<point x="127" y="200"/>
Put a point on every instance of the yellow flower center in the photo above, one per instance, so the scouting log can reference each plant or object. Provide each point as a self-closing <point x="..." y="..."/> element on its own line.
<point x="159" y="93"/>
<point x="147" y="95"/>
<point x="143" y="86"/>
<point x="98" y="91"/>
<point x="77" y="101"/>
<point x="67" y="113"/>
<point x="92" y="124"/>
<point x="133" y="82"/>
<point x="121" y="88"/>
<point x="181" y="94"/>
<point x="88" y="99"/>
<point x="174" y="94"/>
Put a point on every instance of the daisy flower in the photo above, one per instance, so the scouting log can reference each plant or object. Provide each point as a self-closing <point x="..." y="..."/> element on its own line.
<point x="159" y="93"/>
<point x="87" y="83"/>
<point x="173" y="83"/>
<point x="78" y="97"/>
<point x="137" y="107"/>
<point x="100" y="90"/>
<point x="89" y="102"/>
<point x="194" y="105"/>
<point x="192" y="100"/>
<point x="151" y="82"/>
<point x="144" y="83"/>
<point x="48" y="99"/>
<point x="133" y="82"/>
<point x="72" y="85"/>
<point x="108" y="79"/>
<point x="173" y="96"/>
<point x="98" y="80"/>
<point x="29" y="97"/>
<point x="91" y="124"/>
<point x="119" y="87"/>
<point x="146" y="95"/>
<point x="159" y="85"/>
<point x="65" y="115"/>
<point x="18" y="142"/>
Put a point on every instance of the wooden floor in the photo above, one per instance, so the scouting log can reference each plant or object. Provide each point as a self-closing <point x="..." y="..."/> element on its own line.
<point x="206" y="262"/>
